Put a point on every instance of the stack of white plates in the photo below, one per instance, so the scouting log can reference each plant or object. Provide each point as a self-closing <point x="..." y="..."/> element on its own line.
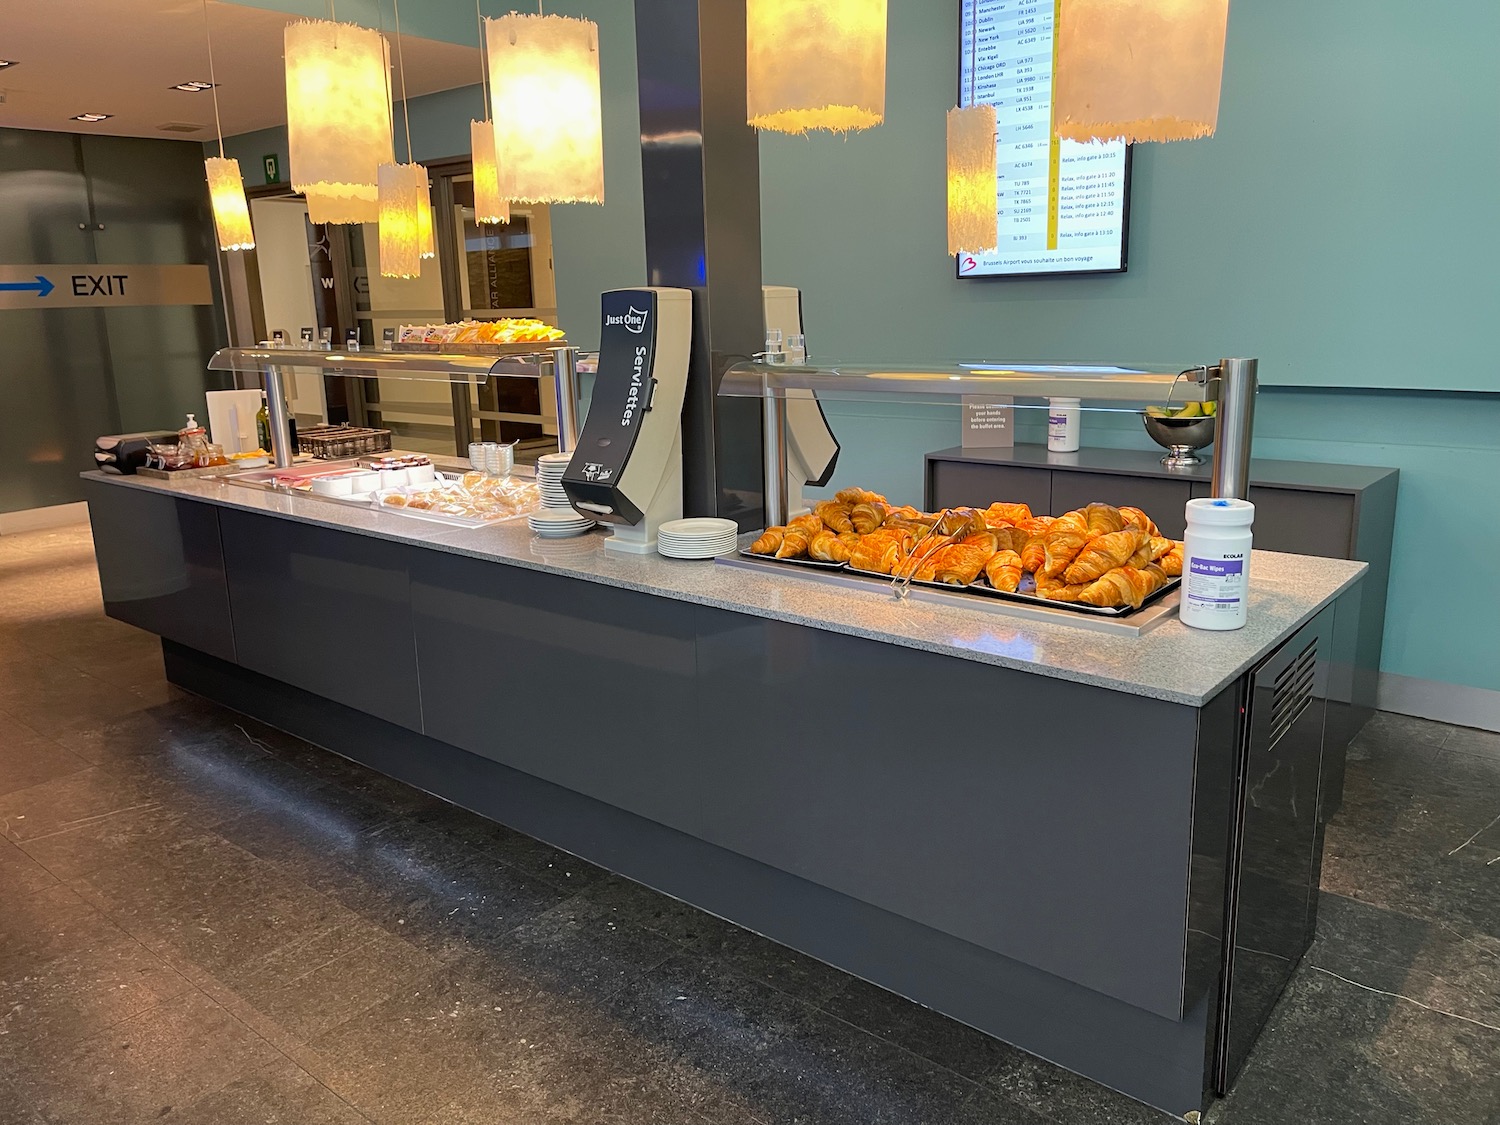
<point x="549" y="473"/>
<point x="550" y="523"/>
<point x="697" y="538"/>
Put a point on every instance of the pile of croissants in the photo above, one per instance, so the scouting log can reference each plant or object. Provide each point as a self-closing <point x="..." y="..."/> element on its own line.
<point x="1099" y="555"/>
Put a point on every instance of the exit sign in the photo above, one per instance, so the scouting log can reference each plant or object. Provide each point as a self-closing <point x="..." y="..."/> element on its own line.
<point x="272" y="165"/>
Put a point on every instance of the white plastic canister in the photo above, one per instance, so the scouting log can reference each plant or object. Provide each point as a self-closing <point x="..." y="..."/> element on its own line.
<point x="1063" y="424"/>
<point x="1216" y="563"/>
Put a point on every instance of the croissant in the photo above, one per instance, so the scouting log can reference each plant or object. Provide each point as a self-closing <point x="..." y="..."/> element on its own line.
<point x="849" y="539"/>
<point x="958" y="564"/>
<point x="827" y="547"/>
<point x="997" y="514"/>
<point x="1124" y="585"/>
<point x="1004" y="571"/>
<point x="1054" y="589"/>
<point x="876" y="554"/>
<point x="854" y="496"/>
<point x="809" y="524"/>
<point x="1034" y="554"/>
<point x="1137" y="518"/>
<point x="1142" y="556"/>
<point x="1104" y="553"/>
<point x="1160" y="545"/>
<point x="1036" y="524"/>
<point x="1103" y="518"/>
<point x="905" y="512"/>
<point x="924" y="547"/>
<point x="794" y="544"/>
<point x="835" y="514"/>
<point x="1063" y="541"/>
<point x="769" y="542"/>
<point x="1171" y="562"/>
<point x="961" y="522"/>
<point x="867" y="517"/>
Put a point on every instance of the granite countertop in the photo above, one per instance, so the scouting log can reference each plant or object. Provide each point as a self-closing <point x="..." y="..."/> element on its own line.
<point x="1171" y="662"/>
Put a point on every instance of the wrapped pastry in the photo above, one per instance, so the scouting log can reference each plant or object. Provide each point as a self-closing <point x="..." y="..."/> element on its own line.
<point x="1004" y="571"/>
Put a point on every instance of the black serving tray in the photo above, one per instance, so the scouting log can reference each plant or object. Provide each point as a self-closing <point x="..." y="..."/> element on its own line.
<point x="811" y="564"/>
<point x="1027" y="593"/>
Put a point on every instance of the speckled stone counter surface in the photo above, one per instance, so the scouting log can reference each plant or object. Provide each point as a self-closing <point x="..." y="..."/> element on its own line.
<point x="1171" y="663"/>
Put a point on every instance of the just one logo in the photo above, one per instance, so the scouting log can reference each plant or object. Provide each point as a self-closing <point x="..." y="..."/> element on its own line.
<point x="632" y="320"/>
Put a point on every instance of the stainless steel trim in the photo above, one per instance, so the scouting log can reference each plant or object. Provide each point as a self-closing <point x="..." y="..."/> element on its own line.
<point x="281" y="434"/>
<point x="773" y="431"/>
<point x="1234" y="428"/>
<point x="565" y="388"/>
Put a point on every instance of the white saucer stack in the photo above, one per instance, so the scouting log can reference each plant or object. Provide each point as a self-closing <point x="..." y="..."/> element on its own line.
<point x="549" y="473"/>
<point x="551" y="523"/>
<point x="700" y="538"/>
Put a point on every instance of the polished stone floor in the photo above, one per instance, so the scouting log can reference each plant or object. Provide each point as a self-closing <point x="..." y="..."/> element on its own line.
<point x="202" y="920"/>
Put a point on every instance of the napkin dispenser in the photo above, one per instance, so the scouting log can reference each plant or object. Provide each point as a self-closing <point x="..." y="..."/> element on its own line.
<point x="812" y="450"/>
<point x="627" y="467"/>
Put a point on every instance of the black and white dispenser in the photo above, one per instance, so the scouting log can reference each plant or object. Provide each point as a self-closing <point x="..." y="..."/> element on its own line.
<point x="812" y="449"/>
<point x="627" y="468"/>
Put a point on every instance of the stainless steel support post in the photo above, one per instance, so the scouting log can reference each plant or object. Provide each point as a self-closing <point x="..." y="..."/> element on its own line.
<point x="773" y="426"/>
<point x="565" y="388"/>
<point x="281" y="434"/>
<point x="1234" y="427"/>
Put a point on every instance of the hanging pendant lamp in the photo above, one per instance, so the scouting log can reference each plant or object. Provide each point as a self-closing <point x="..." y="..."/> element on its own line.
<point x="425" y="236"/>
<point x="491" y="203"/>
<point x="338" y="118"/>
<point x="544" y="99"/>
<point x="226" y="187"/>
<point x="1139" y="70"/>
<point x="973" y="225"/>
<point x="401" y="219"/>
<point x="815" y="64"/>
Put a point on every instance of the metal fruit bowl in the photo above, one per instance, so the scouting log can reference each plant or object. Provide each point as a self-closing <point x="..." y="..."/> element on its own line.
<point x="1180" y="437"/>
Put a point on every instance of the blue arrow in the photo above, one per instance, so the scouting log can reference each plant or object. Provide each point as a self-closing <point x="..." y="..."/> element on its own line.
<point x="41" y="285"/>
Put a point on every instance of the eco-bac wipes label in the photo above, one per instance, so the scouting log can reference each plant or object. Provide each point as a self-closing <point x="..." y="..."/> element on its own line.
<point x="1215" y="584"/>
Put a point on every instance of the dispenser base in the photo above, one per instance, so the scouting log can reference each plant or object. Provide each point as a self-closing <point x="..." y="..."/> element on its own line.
<point x="625" y="546"/>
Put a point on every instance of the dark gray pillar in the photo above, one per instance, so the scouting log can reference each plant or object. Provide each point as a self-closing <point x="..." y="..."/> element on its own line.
<point x="700" y="167"/>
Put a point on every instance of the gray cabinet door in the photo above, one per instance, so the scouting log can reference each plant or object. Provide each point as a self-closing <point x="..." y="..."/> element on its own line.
<point x="325" y="611"/>
<point x="1300" y="522"/>
<point x="161" y="567"/>
<point x="954" y="483"/>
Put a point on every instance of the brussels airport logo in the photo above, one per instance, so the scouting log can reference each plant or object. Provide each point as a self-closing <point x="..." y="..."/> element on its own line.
<point x="967" y="262"/>
<point x="632" y="320"/>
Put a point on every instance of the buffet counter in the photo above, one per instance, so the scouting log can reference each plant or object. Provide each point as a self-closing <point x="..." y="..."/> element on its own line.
<point x="1037" y="828"/>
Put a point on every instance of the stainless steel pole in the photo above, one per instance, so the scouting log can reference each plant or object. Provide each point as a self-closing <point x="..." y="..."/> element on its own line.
<point x="1234" y="427"/>
<point x="773" y="419"/>
<point x="565" y="389"/>
<point x="281" y="434"/>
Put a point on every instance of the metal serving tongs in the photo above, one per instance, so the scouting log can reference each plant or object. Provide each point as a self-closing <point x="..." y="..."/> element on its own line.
<point x="901" y="583"/>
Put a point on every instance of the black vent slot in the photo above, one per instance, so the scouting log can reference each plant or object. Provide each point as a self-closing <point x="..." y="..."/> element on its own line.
<point x="1292" y="692"/>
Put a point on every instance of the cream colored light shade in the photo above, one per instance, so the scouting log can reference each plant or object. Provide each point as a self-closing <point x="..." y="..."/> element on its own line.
<point x="491" y="205"/>
<point x="226" y="191"/>
<point x="973" y="221"/>
<point x="400" y="219"/>
<point x="425" y="237"/>
<point x="544" y="99"/>
<point x="815" y="64"/>
<point x="338" y="117"/>
<point x="1139" y="70"/>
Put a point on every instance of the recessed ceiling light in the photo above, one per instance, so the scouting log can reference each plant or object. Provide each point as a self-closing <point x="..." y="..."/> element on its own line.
<point x="92" y="117"/>
<point x="193" y="87"/>
<point x="7" y="62"/>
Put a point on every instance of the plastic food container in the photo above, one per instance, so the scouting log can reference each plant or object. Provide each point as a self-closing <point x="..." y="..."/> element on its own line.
<point x="335" y="484"/>
<point x="1216" y="563"/>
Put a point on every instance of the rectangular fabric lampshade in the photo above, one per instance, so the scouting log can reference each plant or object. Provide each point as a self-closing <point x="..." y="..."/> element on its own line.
<point x="491" y="205"/>
<point x="815" y="64"/>
<point x="338" y="117"/>
<point x="544" y="99"/>
<point x="401" y="186"/>
<point x="973" y="224"/>
<point x="226" y="191"/>
<point x="1139" y="70"/>
<point x="424" y="218"/>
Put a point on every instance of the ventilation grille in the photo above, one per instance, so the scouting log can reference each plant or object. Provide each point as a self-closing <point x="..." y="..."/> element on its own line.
<point x="1292" y="692"/>
<point x="180" y="127"/>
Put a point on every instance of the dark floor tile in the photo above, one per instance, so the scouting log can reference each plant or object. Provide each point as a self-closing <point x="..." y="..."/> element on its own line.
<point x="515" y="849"/>
<point x="27" y="758"/>
<point x="147" y="832"/>
<point x="280" y="1094"/>
<point x="47" y="924"/>
<point x="935" y="1037"/>
<point x="55" y="699"/>
<point x="150" y="731"/>
<point x="988" y="1107"/>
<point x="1334" y="1053"/>
<point x="1432" y="962"/>
<point x="67" y="802"/>
<point x="20" y="874"/>
<point x="672" y="918"/>
<point x="15" y="1109"/>
<point x="1055" y="1094"/>
<point x="143" y="1068"/>
<point x="308" y="988"/>
<point x="409" y="1054"/>
<point x="1468" y="740"/>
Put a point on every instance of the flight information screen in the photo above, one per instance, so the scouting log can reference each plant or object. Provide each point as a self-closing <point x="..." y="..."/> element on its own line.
<point x="1060" y="206"/>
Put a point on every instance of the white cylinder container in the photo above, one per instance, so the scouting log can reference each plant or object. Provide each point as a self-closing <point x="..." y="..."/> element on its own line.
<point x="1063" y="425"/>
<point x="1216" y="563"/>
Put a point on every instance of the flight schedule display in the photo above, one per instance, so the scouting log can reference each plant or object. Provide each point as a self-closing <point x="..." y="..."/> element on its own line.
<point x="1060" y="206"/>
